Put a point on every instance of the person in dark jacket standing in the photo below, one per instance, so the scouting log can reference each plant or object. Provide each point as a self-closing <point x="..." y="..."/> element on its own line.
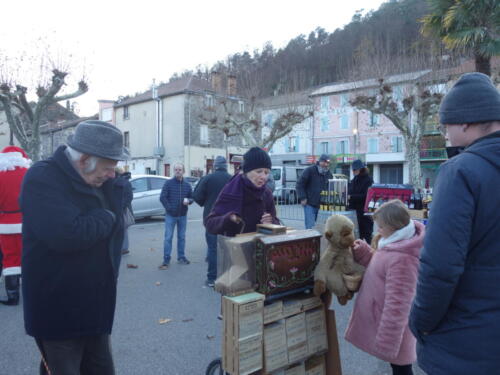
<point x="245" y="201"/>
<point x="358" y="188"/>
<point x="205" y="194"/>
<point x="72" y="208"/>
<point x="313" y="180"/>
<point x="456" y="311"/>
<point x="176" y="196"/>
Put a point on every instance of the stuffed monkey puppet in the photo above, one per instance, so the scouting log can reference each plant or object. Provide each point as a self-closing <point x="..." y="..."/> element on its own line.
<point x="337" y="271"/>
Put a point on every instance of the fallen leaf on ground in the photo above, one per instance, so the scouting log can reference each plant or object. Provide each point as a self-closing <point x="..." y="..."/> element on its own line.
<point x="210" y="337"/>
<point x="132" y="265"/>
<point x="157" y="283"/>
<point x="164" y="320"/>
<point x="187" y="320"/>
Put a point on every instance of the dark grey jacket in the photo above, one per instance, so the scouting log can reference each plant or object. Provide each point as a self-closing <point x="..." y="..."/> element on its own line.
<point x="71" y="251"/>
<point x="208" y="189"/>
<point x="311" y="183"/>
<point x="456" y="311"/>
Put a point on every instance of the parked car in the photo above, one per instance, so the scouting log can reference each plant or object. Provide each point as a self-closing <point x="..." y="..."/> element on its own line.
<point x="147" y="190"/>
<point x="193" y="181"/>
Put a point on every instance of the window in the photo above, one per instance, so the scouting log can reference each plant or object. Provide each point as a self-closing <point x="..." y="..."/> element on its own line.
<point x="139" y="185"/>
<point x="276" y="174"/>
<point x="293" y="144"/>
<point x="374" y="119"/>
<point x="269" y="120"/>
<point x="125" y="113"/>
<point x="343" y="147"/>
<point x="204" y="135"/>
<point x="344" y="122"/>
<point x="397" y="144"/>
<point x="391" y="173"/>
<point x="324" y="103"/>
<point x="325" y="124"/>
<point x="372" y="145"/>
<point x="156" y="183"/>
<point x="241" y="106"/>
<point x="126" y="139"/>
<point x="324" y="147"/>
<point x="209" y="100"/>
<point x="107" y="114"/>
<point x="344" y="100"/>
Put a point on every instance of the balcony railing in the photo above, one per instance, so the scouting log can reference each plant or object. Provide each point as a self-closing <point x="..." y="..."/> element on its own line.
<point x="432" y="128"/>
<point x="433" y="154"/>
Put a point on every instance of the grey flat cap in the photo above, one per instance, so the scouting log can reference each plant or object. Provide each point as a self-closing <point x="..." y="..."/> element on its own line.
<point x="99" y="138"/>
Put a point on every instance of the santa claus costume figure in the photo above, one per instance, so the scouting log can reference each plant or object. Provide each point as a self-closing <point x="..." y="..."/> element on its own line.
<point x="13" y="165"/>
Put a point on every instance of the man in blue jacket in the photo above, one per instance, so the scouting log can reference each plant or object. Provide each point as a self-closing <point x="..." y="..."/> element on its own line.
<point x="456" y="312"/>
<point x="72" y="207"/>
<point x="313" y="180"/>
<point x="176" y="196"/>
<point x="205" y="194"/>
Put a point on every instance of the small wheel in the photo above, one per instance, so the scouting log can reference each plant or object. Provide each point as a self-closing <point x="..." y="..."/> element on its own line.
<point x="215" y="367"/>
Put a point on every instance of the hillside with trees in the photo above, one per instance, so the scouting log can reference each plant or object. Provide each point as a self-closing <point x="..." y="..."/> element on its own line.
<point x="392" y="32"/>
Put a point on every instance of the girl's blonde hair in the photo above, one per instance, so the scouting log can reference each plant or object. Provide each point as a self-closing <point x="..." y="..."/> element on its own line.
<point x="394" y="214"/>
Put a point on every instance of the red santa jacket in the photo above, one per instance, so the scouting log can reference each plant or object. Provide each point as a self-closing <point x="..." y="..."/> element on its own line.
<point x="13" y="165"/>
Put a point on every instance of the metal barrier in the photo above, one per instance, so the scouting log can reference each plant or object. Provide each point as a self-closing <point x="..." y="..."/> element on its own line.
<point x="289" y="210"/>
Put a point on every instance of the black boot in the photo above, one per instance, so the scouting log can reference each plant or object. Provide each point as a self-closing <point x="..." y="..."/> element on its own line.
<point x="12" y="288"/>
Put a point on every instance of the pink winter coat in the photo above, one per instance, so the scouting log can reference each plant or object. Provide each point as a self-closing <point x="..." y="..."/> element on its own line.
<point x="379" y="321"/>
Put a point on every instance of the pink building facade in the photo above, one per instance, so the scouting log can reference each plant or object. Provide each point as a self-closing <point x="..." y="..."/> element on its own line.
<point x="347" y="133"/>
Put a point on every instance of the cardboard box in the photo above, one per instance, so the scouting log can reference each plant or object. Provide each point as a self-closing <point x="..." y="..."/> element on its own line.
<point x="292" y="306"/>
<point x="298" y="369"/>
<point x="316" y="365"/>
<point x="243" y="333"/>
<point x="250" y="355"/>
<point x="275" y="347"/>
<point x="311" y="302"/>
<point x="317" y="340"/>
<point x="296" y="329"/>
<point x="273" y="312"/>
<point x="297" y="352"/>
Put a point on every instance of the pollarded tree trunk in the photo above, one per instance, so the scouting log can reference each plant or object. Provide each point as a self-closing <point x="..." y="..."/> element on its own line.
<point x="412" y="155"/>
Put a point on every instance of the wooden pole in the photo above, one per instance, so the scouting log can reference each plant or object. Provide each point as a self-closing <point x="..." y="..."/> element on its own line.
<point x="333" y="366"/>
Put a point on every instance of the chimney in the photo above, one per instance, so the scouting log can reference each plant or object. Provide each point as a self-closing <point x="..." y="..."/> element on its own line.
<point x="231" y="85"/>
<point x="216" y="79"/>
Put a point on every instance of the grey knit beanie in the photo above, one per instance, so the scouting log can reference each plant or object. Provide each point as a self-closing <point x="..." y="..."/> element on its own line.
<point x="472" y="99"/>
<point x="220" y="163"/>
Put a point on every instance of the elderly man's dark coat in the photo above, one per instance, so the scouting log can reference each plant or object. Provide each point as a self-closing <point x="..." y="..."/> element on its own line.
<point x="71" y="251"/>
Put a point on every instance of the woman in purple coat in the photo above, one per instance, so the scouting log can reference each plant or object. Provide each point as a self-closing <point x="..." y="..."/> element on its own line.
<point x="245" y="201"/>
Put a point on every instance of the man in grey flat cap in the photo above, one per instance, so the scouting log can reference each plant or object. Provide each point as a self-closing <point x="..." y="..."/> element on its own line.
<point x="72" y="207"/>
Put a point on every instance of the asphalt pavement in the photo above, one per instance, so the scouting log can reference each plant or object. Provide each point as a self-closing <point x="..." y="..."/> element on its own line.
<point x="166" y="320"/>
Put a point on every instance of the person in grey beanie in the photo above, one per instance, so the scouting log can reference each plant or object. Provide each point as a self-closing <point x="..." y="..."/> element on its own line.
<point x="72" y="206"/>
<point x="313" y="180"/>
<point x="456" y="311"/>
<point x="205" y="194"/>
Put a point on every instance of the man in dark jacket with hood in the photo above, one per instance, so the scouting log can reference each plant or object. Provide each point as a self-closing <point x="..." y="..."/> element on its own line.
<point x="205" y="194"/>
<point x="313" y="180"/>
<point x="72" y="207"/>
<point x="456" y="311"/>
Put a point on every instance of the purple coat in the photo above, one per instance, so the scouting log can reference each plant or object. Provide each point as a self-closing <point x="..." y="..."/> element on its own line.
<point x="241" y="197"/>
<point x="379" y="320"/>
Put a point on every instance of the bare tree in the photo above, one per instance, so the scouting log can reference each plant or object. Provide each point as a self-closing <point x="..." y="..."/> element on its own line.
<point x="241" y="117"/>
<point x="24" y="117"/>
<point x="409" y="113"/>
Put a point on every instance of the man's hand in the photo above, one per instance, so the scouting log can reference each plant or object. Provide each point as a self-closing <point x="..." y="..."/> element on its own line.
<point x="303" y="202"/>
<point x="266" y="219"/>
<point x="235" y="218"/>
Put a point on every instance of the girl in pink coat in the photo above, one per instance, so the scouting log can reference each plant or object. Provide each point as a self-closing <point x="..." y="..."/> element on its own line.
<point x="379" y="321"/>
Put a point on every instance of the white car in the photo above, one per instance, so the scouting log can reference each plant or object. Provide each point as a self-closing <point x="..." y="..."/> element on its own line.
<point x="147" y="190"/>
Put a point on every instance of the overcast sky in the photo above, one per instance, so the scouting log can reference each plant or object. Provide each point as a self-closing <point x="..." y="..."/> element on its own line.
<point x="120" y="46"/>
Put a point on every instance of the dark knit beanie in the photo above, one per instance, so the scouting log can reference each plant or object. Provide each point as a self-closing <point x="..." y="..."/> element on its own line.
<point x="256" y="158"/>
<point x="472" y="99"/>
